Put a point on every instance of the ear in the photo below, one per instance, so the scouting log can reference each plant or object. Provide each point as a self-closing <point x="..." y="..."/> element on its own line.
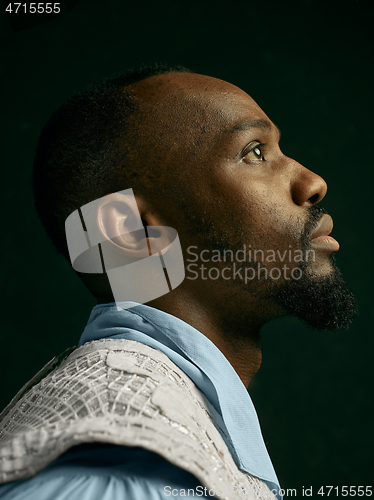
<point x="112" y="222"/>
<point x="143" y="261"/>
<point x="120" y="229"/>
<point x="128" y="230"/>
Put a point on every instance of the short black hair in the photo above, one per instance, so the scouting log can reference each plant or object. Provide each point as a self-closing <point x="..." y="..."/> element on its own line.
<point x="82" y="151"/>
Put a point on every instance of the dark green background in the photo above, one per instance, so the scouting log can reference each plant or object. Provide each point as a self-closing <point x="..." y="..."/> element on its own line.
<point x="309" y="66"/>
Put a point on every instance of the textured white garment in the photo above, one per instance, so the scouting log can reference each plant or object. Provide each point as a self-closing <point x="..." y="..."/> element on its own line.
<point x="126" y="393"/>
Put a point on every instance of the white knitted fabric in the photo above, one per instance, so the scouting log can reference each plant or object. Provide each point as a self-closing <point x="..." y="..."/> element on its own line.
<point x="126" y="393"/>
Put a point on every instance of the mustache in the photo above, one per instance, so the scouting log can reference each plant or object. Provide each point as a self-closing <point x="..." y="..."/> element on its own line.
<point x="315" y="214"/>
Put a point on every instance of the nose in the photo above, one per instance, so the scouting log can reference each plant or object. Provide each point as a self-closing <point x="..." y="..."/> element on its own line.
<point x="307" y="188"/>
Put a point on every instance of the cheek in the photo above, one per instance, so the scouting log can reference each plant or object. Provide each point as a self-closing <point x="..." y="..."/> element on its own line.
<point x="253" y="211"/>
<point x="263" y="223"/>
<point x="266" y="205"/>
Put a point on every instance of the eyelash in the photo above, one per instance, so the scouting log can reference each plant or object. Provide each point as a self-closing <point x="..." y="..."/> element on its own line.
<point x="250" y="148"/>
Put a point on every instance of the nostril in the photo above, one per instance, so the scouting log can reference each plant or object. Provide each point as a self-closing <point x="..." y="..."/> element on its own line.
<point x="314" y="199"/>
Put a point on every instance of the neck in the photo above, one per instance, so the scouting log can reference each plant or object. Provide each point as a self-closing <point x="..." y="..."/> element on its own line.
<point x="235" y="333"/>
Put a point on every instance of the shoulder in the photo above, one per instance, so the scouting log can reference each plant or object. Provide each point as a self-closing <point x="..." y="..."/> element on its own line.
<point x="105" y="472"/>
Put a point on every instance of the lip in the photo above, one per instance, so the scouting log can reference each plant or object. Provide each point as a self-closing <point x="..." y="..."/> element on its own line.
<point x="320" y="237"/>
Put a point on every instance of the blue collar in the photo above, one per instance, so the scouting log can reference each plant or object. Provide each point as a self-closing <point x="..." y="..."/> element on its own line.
<point x="230" y="404"/>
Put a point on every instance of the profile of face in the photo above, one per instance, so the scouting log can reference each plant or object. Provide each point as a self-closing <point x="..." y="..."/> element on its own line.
<point x="228" y="186"/>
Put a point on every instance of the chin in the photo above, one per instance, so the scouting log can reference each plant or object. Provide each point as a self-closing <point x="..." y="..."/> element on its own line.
<point x="321" y="298"/>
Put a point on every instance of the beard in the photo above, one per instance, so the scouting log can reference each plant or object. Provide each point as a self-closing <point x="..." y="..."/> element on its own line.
<point x="322" y="302"/>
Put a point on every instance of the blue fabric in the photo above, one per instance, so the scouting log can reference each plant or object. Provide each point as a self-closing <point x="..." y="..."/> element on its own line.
<point x="105" y="472"/>
<point x="205" y="364"/>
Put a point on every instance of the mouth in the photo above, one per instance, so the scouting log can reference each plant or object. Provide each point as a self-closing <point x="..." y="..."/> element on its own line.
<point x="321" y="238"/>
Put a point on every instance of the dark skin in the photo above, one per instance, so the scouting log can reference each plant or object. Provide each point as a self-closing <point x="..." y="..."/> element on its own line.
<point x="213" y="141"/>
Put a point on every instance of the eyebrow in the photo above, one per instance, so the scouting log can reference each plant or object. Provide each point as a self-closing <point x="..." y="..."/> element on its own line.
<point x="250" y="124"/>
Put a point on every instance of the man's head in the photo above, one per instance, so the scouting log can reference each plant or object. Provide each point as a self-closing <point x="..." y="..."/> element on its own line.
<point x="203" y="158"/>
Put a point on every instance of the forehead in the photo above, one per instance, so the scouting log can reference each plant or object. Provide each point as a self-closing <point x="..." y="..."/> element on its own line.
<point x="192" y="101"/>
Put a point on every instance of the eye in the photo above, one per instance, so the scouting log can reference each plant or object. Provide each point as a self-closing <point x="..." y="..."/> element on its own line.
<point x="254" y="151"/>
